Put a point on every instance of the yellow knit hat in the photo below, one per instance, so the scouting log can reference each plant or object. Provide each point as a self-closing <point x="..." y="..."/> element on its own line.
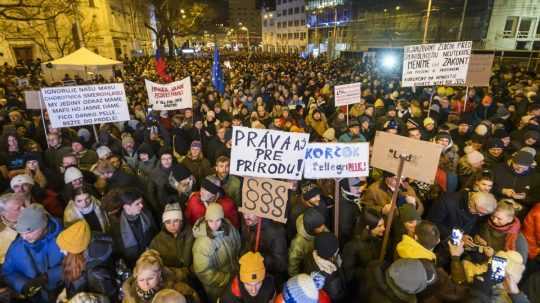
<point x="75" y="239"/>
<point x="252" y="267"/>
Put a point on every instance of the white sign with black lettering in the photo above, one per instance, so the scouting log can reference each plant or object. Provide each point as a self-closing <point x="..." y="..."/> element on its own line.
<point x="265" y="198"/>
<point x="436" y="64"/>
<point x="267" y="153"/>
<point x="32" y="99"/>
<point x="336" y="160"/>
<point x="348" y="93"/>
<point x="86" y="104"/>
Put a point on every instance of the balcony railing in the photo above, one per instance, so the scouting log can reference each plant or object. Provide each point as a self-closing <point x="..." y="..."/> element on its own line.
<point x="509" y="34"/>
<point x="522" y="34"/>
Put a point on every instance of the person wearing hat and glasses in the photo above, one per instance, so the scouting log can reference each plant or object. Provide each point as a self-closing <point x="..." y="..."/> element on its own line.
<point x="252" y="284"/>
<point x="33" y="264"/>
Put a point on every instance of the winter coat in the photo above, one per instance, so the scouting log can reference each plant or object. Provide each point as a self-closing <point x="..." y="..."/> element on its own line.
<point x="72" y="214"/>
<point x="232" y="186"/>
<point x="409" y="248"/>
<point x="215" y="256"/>
<point x="25" y="261"/>
<point x="158" y="181"/>
<point x="300" y="249"/>
<point x="175" y="252"/>
<point x="199" y="168"/>
<point x="378" y="288"/>
<point x="505" y="177"/>
<point x="195" y="209"/>
<point x="87" y="159"/>
<point x="126" y="243"/>
<point x="531" y="231"/>
<point x="7" y="236"/>
<point x="98" y="276"/>
<point x="497" y="240"/>
<point x="378" y="194"/>
<point x="236" y="293"/>
<point x="272" y="245"/>
<point x="168" y="281"/>
<point x="146" y="168"/>
<point x="452" y="211"/>
<point x="348" y="138"/>
<point x="214" y="149"/>
<point x="358" y="252"/>
<point x="335" y="283"/>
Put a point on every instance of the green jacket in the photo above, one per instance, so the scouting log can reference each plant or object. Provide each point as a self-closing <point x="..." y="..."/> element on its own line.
<point x="175" y="252"/>
<point x="301" y="248"/>
<point x="233" y="189"/>
<point x="215" y="256"/>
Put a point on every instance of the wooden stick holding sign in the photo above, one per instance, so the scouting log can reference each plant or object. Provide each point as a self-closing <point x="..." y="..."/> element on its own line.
<point x="336" y="208"/>
<point x="404" y="157"/>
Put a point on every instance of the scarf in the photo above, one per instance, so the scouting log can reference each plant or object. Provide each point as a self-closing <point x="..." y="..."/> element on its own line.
<point x="128" y="237"/>
<point x="146" y="296"/>
<point x="324" y="265"/>
<point x="511" y="230"/>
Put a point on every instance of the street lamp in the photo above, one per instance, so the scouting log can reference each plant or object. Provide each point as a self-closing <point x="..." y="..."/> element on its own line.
<point x="247" y="33"/>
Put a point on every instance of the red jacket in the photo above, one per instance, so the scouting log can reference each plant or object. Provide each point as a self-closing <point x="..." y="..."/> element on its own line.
<point x="531" y="231"/>
<point x="195" y="209"/>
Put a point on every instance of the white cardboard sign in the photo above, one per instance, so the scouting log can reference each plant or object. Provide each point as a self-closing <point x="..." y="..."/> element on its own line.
<point x="86" y="104"/>
<point x="348" y="93"/>
<point x="436" y="64"/>
<point x="336" y="160"/>
<point x="265" y="198"/>
<point x="170" y="96"/>
<point x="267" y="153"/>
<point x="32" y="99"/>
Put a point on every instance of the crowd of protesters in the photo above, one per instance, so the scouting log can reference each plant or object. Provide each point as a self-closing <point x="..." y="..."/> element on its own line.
<point x="146" y="210"/>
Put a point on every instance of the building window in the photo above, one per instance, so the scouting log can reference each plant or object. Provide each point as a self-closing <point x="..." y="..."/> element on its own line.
<point x="290" y="11"/>
<point x="290" y="23"/>
<point x="525" y="26"/>
<point x="302" y="8"/>
<point x="510" y="27"/>
<point x="279" y="25"/>
<point x="91" y="3"/>
<point x="284" y="12"/>
<point x="284" y="24"/>
<point x="296" y="10"/>
<point x="278" y="2"/>
<point x="290" y="35"/>
<point x="296" y="22"/>
<point x="296" y="35"/>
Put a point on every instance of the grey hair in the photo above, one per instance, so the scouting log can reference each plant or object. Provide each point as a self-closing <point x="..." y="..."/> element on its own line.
<point x="486" y="200"/>
<point x="5" y="198"/>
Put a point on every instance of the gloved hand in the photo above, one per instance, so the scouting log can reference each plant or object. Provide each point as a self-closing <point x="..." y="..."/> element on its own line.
<point x="33" y="286"/>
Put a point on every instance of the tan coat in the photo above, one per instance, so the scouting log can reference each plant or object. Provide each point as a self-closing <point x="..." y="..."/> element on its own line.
<point x="378" y="195"/>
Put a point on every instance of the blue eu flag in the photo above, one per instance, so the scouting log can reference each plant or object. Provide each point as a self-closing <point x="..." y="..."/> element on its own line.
<point x="217" y="73"/>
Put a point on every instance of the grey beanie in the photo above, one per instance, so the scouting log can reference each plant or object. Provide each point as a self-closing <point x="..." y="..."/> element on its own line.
<point x="30" y="219"/>
<point x="411" y="276"/>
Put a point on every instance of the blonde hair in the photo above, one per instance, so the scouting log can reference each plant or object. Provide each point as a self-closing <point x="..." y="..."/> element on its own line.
<point x="150" y="259"/>
<point x="169" y="296"/>
<point x="508" y="206"/>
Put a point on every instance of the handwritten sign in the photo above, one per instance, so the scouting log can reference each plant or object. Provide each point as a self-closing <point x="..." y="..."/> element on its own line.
<point x="265" y="198"/>
<point x="424" y="156"/>
<point x="436" y="64"/>
<point x="347" y="94"/>
<point x="336" y="160"/>
<point x="479" y="72"/>
<point x="267" y="153"/>
<point x="171" y="96"/>
<point x="85" y="104"/>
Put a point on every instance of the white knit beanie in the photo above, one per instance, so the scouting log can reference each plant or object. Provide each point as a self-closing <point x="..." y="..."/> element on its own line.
<point x="21" y="179"/>
<point x="172" y="211"/>
<point x="72" y="174"/>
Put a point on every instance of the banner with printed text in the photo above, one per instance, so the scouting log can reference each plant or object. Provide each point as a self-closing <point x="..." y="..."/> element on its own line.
<point x="436" y="64"/>
<point x="86" y="104"/>
<point x="170" y="96"/>
<point x="348" y="93"/>
<point x="336" y="160"/>
<point x="267" y="153"/>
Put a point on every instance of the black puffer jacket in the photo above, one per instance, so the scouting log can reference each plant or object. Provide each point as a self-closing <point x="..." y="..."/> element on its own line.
<point x="98" y="277"/>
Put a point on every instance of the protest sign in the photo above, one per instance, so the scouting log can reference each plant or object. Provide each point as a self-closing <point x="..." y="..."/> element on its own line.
<point x="422" y="163"/>
<point x="85" y="104"/>
<point x="336" y="160"/>
<point x="267" y="153"/>
<point x="69" y="83"/>
<point x="347" y="94"/>
<point x="23" y="82"/>
<point x="436" y="64"/>
<point x="170" y="96"/>
<point x="32" y="99"/>
<point x="479" y="72"/>
<point x="265" y="198"/>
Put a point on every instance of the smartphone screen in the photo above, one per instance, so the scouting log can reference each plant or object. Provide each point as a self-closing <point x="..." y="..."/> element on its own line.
<point x="456" y="236"/>
<point x="498" y="269"/>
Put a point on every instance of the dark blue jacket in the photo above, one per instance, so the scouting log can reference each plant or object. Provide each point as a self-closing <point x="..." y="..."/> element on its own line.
<point x="25" y="261"/>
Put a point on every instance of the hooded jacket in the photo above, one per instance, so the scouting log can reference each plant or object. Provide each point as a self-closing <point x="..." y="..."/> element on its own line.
<point x="215" y="256"/>
<point x="26" y="261"/>
<point x="300" y="249"/>
<point x="409" y="248"/>
<point x="175" y="252"/>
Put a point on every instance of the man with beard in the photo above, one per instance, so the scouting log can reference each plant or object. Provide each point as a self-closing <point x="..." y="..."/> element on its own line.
<point x="232" y="185"/>
<point x="181" y="183"/>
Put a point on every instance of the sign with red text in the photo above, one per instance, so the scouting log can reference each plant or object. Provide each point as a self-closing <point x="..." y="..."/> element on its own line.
<point x="336" y="160"/>
<point x="436" y="64"/>
<point x="170" y="96"/>
<point x="265" y="198"/>
<point x="85" y="104"/>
